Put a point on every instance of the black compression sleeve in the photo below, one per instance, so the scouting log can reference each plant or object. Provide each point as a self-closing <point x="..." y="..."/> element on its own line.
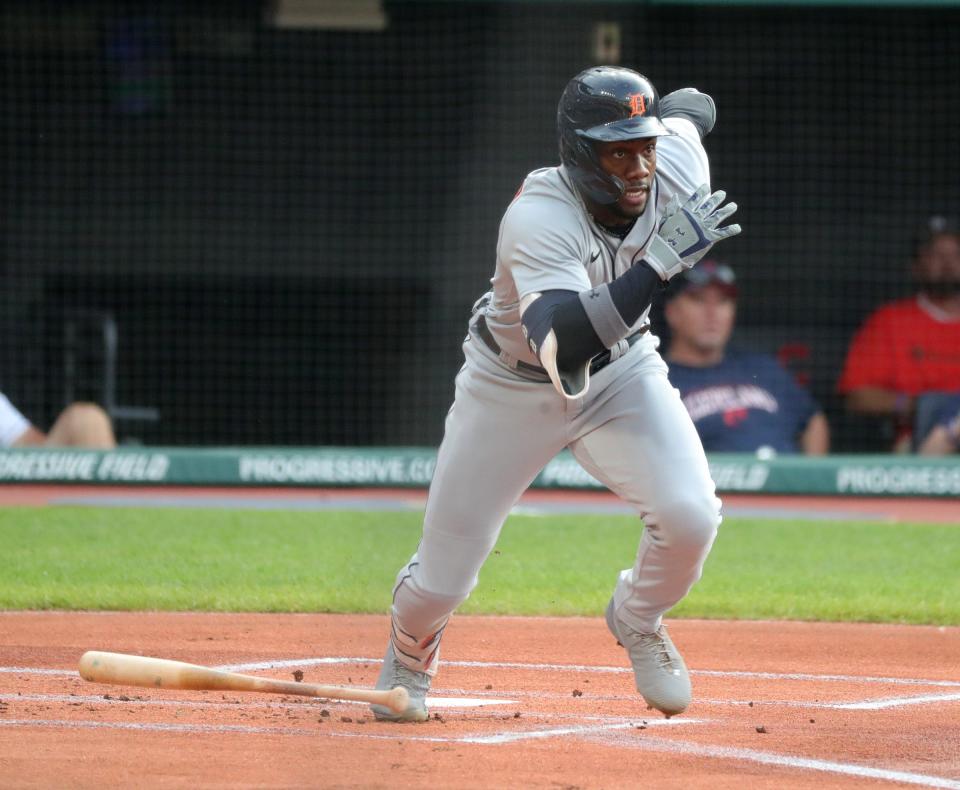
<point x="562" y="311"/>
<point x="633" y="291"/>
<point x="576" y="339"/>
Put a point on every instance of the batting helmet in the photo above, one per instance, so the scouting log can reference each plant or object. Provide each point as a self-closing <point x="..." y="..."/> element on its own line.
<point x="604" y="104"/>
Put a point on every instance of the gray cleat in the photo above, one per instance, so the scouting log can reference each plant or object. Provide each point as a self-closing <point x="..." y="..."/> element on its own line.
<point x="658" y="668"/>
<point x="417" y="684"/>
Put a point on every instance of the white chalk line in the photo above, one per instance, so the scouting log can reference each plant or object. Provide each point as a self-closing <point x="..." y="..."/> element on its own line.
<point x="595" y="730"/>
<point x="686" y="748"/>
<point x="462" y="701"/>
<point x="442" y="702"/>
<point x="493" y="739"/>
<point x="340" y="660"/>
<point x="895" y="702"/>
<point x="583" y="730"/>
<point x="332" y="660"/>
<point x="692" y="749"/>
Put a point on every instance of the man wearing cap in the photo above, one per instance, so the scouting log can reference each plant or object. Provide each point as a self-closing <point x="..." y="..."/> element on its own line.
<point x="905" y="359"/>
<point x="739" y="402"/>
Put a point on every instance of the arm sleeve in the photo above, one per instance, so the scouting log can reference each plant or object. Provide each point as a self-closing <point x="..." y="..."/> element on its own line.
<point x="576" y="323"/>
<point x="694" y="106"/>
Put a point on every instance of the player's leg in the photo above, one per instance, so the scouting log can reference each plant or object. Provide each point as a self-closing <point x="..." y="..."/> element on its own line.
<point x="498" y="435"/>
<point x="82" y="425"/>
<point x="637" y="438"/>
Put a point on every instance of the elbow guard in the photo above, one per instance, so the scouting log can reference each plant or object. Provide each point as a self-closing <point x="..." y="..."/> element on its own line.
<point x="689" y="103"/>
<point x="570" y="375"/>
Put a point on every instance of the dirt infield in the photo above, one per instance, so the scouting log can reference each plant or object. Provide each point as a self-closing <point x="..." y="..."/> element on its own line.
<point x="519" y="702"/>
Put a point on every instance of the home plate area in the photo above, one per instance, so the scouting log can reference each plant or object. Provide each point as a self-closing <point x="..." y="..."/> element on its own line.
<point x="775" y="705"/>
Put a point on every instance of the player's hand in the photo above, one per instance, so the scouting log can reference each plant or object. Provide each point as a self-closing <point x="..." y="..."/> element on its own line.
<point x="687" y="232"/>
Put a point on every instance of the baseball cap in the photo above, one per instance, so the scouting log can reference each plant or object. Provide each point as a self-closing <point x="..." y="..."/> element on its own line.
<point x="933" y="226"/>
<point x="708" y="272"/>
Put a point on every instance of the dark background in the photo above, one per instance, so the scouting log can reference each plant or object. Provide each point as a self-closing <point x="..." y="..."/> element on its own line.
<point x="288" y="227"/>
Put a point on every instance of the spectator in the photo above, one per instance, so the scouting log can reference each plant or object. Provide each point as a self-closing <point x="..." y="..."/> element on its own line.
<point x="944" y="437"/>
<point x="79" y="425"/>
<point x="910" y="348"/>
<point x="739" y="402"/>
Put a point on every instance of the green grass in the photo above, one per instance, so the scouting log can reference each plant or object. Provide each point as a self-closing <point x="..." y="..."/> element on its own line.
<point x="245" y="560"/>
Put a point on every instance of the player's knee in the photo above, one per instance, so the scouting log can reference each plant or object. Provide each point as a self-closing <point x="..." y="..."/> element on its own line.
<point x="419" y="589"/>
<point x="83" y="416"/>
<point x="689" y="524"/>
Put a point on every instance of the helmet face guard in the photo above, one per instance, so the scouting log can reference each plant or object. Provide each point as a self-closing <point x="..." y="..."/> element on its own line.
<point x="604" y="104"/>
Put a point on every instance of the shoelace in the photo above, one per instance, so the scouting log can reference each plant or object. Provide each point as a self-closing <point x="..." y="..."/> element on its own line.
<point x="411" y="680"/>
<point x="657" y="644"/>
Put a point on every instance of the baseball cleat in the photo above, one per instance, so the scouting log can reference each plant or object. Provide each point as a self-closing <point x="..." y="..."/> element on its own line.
<point x="658" y="668"/>
<point x="417" y="684"/>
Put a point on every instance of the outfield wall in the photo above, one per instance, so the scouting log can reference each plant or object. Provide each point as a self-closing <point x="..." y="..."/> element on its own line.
<point x="412" y="467"/>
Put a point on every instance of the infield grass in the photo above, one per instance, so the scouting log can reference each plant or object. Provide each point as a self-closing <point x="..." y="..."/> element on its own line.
<point x="321" y="561"/>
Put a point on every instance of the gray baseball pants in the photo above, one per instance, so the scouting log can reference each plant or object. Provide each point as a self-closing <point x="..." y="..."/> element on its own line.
<point x="631" y="432"/>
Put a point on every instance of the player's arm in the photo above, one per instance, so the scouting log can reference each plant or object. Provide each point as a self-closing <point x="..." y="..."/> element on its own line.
<point x="880" y="402"/>
<point x="566" y="329"/>
<point x="692" y="105"/>
<point x="31" y="437"/>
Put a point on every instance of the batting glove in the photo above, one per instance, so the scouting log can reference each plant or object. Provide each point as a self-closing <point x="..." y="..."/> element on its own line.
<point x="687" y="232"/>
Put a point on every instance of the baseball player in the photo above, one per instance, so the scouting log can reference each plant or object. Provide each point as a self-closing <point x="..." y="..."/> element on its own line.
<point x="559" y="355"/>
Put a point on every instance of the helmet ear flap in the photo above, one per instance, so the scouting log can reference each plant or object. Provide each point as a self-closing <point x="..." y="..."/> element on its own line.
<point x="579" y="156"/>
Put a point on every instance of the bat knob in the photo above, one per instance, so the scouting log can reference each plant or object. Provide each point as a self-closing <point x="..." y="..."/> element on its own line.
<point x="398" y="700"/>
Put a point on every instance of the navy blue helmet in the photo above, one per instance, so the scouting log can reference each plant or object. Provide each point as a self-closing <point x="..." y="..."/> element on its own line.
<point x="604" y="104"/>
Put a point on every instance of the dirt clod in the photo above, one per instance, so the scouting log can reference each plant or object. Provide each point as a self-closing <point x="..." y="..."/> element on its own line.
<point x="298" y="675"/>
<point x="577" y="693"/>
<point x="761" y="728"/>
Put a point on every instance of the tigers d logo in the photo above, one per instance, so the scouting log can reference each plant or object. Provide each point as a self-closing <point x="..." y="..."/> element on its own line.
<point x="638" y="104"/>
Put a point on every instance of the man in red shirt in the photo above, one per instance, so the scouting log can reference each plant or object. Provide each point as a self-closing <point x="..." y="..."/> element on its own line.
<point x="910" y="348"/>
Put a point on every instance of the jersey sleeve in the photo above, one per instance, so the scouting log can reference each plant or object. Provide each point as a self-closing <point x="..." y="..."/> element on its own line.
<point x="869" y="362"/>
<point x="682" y="163"/>
<point x="12" y="423"/>
<point x="542" y="246"/>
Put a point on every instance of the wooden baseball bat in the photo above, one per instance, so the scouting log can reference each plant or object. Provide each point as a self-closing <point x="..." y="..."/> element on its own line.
<point x="126" y="670"/>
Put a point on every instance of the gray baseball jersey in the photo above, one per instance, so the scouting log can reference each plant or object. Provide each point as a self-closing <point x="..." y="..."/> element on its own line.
<point x="629" y="429"/>
<point x="548" y="240"/>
